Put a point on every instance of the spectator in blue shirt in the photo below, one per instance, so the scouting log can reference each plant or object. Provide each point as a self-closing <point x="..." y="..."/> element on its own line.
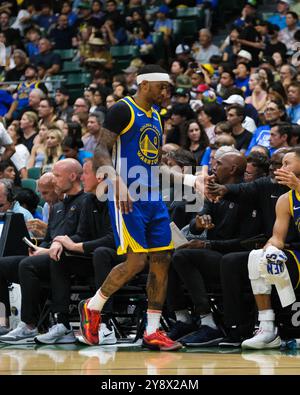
<point x="293" y="110"/>
<point x="249" y="9"/>
<point x="242" y="78"/>
<point x="45" y="19"/>
<point x="8" y="202"/>
<point x="72" y="144"/>
<point x="162" y="23"/>
<point x="29" y="200"/>
<point x="275" y="112"/>
<point x="279" y="17"/>
<point x="34" y="36"/>
<point x="6" y="101"/>
<point x="67" y="10"/>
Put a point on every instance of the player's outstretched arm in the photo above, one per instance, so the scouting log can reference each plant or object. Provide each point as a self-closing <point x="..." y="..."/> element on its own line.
<point x="195" y="181"/>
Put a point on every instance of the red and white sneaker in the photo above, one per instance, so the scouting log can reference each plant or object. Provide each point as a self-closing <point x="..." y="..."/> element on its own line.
<point x="90" y="321"/>
<point x="159" y="341"/>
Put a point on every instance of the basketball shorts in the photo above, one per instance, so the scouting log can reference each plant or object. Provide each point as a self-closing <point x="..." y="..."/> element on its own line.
<point x="145" y="229"/>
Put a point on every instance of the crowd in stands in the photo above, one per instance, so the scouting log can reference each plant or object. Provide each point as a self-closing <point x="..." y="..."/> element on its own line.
<point x="233" y="109"/>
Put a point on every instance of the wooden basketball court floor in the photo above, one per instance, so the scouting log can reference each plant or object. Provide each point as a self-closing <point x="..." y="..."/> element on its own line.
<point x="78" y="359"/>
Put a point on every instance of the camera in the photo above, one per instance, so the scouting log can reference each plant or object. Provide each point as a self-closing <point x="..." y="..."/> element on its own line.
<point x="193" y="65"/>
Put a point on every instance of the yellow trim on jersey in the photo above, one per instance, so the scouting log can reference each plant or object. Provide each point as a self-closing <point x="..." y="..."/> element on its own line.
<point x="156" y="112"/>
<point x="297" y="195"/>
<point x="298" y="264"/>
<point x="131" y="119"/>
<point x="148" y="113"/>
<point x="169" y="247"/>
<point x="291" y="202"/>
<point x="134" y="245"/>
<point x="128" y="241"/>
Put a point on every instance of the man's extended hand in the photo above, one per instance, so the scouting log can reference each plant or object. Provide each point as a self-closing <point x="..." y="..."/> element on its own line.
<point x="215" y="191"/>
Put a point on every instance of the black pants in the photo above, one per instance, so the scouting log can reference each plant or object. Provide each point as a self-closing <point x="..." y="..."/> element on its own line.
<point x="99" y="266"/>
<point x="28" y="272"/>
<point x="236" y="288"/>
<point x="197" y="269"/>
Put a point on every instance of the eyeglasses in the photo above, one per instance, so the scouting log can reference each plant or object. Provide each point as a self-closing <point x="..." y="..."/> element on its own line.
<point x="79" y="105"/>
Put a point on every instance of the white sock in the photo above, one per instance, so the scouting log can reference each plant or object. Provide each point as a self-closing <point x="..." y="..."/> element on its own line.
<point x="153" y="320"/>
<point x="208" y="320"/>
<point x="97" y="301"/>
<point x="267" y="320"/>
<point x="183" y="316"/>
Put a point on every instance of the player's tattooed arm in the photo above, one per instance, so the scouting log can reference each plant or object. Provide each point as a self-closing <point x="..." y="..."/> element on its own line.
<point x="103" y="167"/>
<point x="102" y="154"/>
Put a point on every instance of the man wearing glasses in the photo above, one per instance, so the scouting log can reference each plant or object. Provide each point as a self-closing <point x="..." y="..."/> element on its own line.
<point x="274" y="113"/>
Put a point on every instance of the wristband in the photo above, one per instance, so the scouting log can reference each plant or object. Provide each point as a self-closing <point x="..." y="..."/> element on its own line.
<point x="189" y="179"/>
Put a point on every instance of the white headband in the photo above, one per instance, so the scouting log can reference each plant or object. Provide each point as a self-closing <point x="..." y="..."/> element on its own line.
<point x="153" y="77"/>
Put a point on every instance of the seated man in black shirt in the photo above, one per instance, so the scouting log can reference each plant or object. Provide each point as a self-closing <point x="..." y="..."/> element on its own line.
<point x="94" y="235"/>
<point x="30" y="271"/>
<point x="51" y="60"/>
<point x="197" y="265"/>
<point x="235" y="116"/>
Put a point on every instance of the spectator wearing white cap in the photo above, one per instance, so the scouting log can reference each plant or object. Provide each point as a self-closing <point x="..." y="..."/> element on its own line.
<point x="235" y="116"/>
<point x="248" y="122"/>
<point x="244" y="56"/>
<point x="183" y="52"/>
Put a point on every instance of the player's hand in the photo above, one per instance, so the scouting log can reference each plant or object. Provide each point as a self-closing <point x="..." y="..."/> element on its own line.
<point x="285" y="177"/>
<point x="55" y="251"/>
<point x="215" y="191"/>
<point x="204" y="222"/>
<point x="200" y="184"/>
<point x="123" y="199"/>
